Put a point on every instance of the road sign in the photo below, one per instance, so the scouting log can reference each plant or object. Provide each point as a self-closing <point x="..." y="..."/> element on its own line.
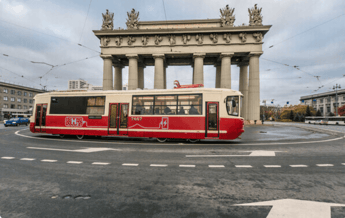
<point x="292" y="208"/>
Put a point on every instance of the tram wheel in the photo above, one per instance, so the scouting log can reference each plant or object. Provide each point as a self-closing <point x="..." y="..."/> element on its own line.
<point x="162" y="139"/>
<point x="80" y="137"/>
<point x="193" y="140"/>
<point x="62" y="136"/>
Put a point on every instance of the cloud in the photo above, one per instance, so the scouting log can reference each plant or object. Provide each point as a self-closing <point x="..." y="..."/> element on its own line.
<point x="319" y="51"/>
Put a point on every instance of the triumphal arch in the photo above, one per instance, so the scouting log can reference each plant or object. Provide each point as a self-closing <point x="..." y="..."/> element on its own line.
<point x="217" y="42"/>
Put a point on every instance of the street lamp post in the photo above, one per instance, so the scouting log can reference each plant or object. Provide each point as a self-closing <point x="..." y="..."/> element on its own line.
<point x="336" y="87"/>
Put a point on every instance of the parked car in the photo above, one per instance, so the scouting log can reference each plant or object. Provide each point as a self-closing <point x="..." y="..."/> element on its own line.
<point x="17" y="121"/>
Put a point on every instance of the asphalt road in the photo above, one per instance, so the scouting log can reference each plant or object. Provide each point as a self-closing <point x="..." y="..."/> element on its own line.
<point x="45" y="176"/>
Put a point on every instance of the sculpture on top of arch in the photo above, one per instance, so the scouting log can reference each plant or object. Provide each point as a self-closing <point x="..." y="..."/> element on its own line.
<point x="255" y="17"/>
<point x="227" y="18"/>
<point x="133" y="19"/>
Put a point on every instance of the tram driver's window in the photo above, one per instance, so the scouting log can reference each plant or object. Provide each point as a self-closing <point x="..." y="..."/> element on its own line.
<point x="232" y="105"/>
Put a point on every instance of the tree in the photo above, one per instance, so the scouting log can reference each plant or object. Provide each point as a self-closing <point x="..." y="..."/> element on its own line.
<point x="308" y="113"/>
<point x="296" y="118"/>
<point x="341" y="110"/>
<point x="318" y="113"/>
<point x="291" y="115"/>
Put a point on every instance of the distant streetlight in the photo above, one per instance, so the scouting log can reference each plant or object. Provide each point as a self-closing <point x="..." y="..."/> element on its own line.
<point x="336" y="87"/>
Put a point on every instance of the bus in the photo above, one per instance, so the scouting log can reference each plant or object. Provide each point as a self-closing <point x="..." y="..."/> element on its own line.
<point x="325" y="120"/>
<point x="189" y="113"/>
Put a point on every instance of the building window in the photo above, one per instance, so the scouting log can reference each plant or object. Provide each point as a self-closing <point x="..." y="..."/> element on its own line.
<point x="328" y="109"/>
<point x="328" y="100"/>
<point x="321" y="101"/>
<point x="19" y="99"/>
<point x="5" y="90"/>
<point x="13" y="106"/>
<point x="30" y="101"/>
<point x="321" y="110"/>
<point x="25" y="107"/>
<point x="5" y="98"/>
<point x="13" y="92"/>
<point x="30" y="94"/>
<point x="25" y="100"/>
<point x="12" y="99"/>
<point x="5" y="106"/>
<point x="25" y="93"/>
<point x="19" y="107"/>
<point x="19" y="92"/>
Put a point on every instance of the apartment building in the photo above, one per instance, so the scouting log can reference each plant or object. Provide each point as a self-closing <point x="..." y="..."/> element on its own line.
<point x="16" y="99"/>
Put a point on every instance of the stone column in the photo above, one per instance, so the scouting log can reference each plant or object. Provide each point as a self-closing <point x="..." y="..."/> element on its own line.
<point x="193" y="74"/>
<point x="225" y="75"/>
<point x="165" y="77"/>
<point x="118" y="77"/>
<point x="254" y="88"/>
<point x="141" y="76"/>
<point x="243" y="88"/>
<point x="132" y="71"/>
<point x="159" y="71"/>
<point x="198" y="77"/>
<point x="218" y="71"/>
<point x="107" y="72"/>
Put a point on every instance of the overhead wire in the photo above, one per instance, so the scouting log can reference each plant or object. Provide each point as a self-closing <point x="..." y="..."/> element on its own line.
<point x="22" y="76"/>
<point x="304" y="31"/>
<point x="87" y="14"/>
<point x="50" y="35"/>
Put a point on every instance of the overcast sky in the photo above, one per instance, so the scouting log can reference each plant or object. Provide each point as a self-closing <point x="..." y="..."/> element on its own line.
<point x="49" y="31"/>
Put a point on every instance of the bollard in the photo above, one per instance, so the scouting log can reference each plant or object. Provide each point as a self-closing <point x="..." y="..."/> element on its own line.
<point x="255" y="122"/>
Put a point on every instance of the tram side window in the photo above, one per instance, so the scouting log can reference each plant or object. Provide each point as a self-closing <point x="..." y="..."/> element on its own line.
<point x="165" y="104"/>
<point x="189" y="104"/>
<point x="95" y="105"/>
<point x="142" y="105"/>
<point x="77" y="105"/>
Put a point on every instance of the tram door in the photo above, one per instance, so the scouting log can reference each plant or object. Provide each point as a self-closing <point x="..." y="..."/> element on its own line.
<point x="118" y="119"/>
<point x="212" y="119"/>
<point x="40" y="117"/>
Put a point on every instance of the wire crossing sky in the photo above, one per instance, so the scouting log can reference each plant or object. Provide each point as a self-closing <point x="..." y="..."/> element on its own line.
<point x="303" y="52"/>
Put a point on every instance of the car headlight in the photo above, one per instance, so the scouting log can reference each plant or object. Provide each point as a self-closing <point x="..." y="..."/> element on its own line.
<point x="13" y="122"/>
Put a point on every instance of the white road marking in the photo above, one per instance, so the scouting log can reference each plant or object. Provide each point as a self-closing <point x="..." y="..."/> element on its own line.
<point x="186" y="165"/>
<point x="291" y="208"/>
<point x="243" y="166"/>
<point x="258" y="153"/>
<point x="122" y="143"/>
<point x="100" y="163"/>
<point x="130" y="164"/>
<point x="50" y="161"/>
<point x="272" y="166"/>
<point x="216" y="166"/>
<point x="158" y="165"/>
<point x="343" y="163"/>
<point x="86" y="150"/>
<point x="324" y="165"/>
<point x="28" y="159"/>
<point x="7" y="158"/>
<point x="299" y="165"/>
<point x="75" y="162"/>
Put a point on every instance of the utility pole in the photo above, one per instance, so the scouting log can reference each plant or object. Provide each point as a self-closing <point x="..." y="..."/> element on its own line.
<point x="336" y="87"/>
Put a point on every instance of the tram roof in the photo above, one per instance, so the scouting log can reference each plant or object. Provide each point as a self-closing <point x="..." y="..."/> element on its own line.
<point x="142" y="92"/>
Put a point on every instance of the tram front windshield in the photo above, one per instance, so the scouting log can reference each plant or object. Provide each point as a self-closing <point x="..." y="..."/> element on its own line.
<point x="233" y="105"/>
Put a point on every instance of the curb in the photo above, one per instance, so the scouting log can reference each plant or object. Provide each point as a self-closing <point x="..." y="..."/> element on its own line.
<point x="331" y="132"/>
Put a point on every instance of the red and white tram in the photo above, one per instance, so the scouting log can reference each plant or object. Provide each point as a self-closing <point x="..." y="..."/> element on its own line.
<point x="193" y="114"/>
